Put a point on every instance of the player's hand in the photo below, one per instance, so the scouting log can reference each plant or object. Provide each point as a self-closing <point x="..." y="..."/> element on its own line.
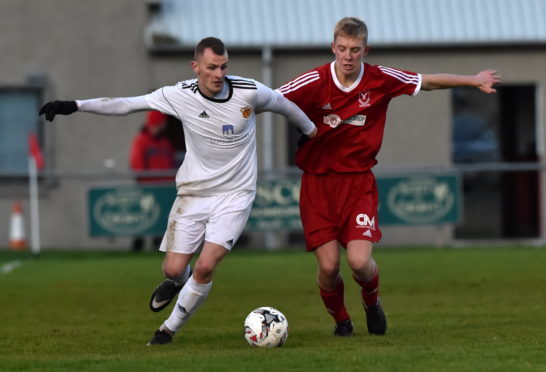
<point x="486" y="79"/>
<point x="53" y="108"/>
<point x="304" y="138"/>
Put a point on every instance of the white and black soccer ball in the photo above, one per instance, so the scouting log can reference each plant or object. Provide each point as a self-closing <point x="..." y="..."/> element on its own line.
<point x="266" y="327"/>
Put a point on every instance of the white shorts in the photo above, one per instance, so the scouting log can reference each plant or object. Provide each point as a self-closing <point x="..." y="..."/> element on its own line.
<point x="218" y="219"/>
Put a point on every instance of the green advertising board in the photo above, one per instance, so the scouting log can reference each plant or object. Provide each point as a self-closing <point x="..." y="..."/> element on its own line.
<point x="276" y="206"/>
<point x="406" y="200"/>
<point x="419" y="200"/>
<point x="129" y="210"/>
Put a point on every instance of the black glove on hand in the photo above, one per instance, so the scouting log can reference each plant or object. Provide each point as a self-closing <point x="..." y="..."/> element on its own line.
<point x="51" y="109"/>
<point x="303" y="139"/>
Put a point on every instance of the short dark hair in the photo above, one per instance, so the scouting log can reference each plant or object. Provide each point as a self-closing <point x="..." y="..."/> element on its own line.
<point x="215" y="44"/>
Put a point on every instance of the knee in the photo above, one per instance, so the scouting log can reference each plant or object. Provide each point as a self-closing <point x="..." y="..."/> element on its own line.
<point x="173" y="269"/>
<point x="203" y="271"/>
<point x="329" y="269"/>
<point x="363" y="264"/>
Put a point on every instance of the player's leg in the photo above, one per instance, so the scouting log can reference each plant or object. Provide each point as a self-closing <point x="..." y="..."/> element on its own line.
<point x="320" y="222"/>
<point x="360" y="230"/>
<point x="176" y="270"/>
<point x="225" y="218"/>
<point x="197" y="288"/>
<point x="184" y="236"/>
<point x="366" y="274"/>
<point x="331" y="286"/>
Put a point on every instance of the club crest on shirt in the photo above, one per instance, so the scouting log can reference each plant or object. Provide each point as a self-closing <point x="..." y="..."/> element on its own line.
<point x="246" y="111"/>
<point x="364" y="99"/>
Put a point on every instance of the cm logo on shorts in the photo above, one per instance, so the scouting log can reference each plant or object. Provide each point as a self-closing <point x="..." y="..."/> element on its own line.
<point x="364" y="220"/>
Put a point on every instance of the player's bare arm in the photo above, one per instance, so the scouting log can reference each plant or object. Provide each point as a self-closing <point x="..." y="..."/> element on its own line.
<point x="484" y="81"/>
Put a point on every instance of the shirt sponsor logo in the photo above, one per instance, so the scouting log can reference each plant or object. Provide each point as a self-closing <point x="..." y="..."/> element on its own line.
<point x="364" y="99"/>
<point x="358" y="120"/>
<point x="364" y="221"/>
<point x="230" y="139"/>
<point x="226" y="129"/>
<point x="333" y="120"/>
<point x="246" y="111"/>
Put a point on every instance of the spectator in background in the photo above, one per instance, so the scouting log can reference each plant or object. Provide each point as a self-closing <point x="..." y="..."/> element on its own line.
<point x="152" y="150"/>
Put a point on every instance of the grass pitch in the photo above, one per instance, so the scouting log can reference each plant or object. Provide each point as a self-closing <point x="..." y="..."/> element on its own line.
<point x="448" y="310"/>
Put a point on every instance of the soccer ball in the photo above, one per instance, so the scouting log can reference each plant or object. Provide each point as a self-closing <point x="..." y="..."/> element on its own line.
<point x="266" y="327"/>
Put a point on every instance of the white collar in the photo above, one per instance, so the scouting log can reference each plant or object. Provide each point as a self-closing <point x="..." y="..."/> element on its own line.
<point x="342" y="87"/>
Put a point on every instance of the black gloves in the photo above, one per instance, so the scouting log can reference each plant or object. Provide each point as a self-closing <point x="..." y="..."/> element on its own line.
<point x="51" y="109"/>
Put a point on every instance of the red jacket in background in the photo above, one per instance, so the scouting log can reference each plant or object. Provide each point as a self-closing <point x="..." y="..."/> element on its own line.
<point x="152" y="153"/>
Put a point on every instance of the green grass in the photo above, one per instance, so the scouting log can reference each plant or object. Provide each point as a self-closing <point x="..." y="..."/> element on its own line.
<point x="448" y="310"/>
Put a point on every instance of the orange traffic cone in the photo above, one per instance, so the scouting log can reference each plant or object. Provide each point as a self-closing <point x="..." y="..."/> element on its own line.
<point x="17" y="230"/>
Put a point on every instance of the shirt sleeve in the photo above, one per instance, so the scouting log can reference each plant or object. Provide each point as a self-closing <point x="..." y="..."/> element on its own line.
<point x="271" y="100"/>
<point x="301" y="90"/>
<point x="113" y="106"/>
<point x="163" y="100"/>
<point x="398" y="82"/>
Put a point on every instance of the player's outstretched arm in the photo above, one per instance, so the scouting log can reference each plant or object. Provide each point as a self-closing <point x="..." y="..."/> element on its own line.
<point x="483" y="80"/>
<point x="103" y="106"/>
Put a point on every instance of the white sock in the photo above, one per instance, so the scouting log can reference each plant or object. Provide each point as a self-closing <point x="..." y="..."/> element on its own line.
<point x="191" y="297"/>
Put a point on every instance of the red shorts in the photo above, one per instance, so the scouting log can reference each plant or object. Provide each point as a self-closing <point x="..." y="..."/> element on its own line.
<point x="340" y="207"/>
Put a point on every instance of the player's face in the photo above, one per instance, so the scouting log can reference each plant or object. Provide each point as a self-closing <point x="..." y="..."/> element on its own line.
<point x="350" y="53"/>
<point x="211" y="69"/>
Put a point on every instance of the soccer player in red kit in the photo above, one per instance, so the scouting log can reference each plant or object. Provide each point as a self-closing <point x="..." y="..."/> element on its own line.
<point x="347" y="100"/>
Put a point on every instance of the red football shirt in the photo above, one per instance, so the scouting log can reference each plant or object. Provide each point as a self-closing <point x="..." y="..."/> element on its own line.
<point x="350" y="121"/>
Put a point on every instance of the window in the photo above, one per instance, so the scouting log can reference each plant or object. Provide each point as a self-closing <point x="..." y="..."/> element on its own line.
<point x="18" y="118"/>
<point x="498" y="128"/>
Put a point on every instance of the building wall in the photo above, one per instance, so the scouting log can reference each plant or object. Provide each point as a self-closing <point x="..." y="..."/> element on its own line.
<point x="97" y="49"/>
<point x="85" y="49"/>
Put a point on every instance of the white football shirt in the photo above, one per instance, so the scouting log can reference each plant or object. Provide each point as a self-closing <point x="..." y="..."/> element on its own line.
<point x="220" y="133"/>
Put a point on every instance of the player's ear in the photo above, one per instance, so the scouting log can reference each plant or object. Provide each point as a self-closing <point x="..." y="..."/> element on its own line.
<point x="366" y="50"/>
<point x="333" y="47"/>
<point x="195" y="67"/>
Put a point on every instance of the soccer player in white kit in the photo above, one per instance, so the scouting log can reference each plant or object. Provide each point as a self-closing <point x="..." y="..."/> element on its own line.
<point x="216" y="184"/>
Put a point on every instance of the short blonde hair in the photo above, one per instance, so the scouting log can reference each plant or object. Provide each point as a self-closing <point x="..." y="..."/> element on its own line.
<point x="351" y="27"/>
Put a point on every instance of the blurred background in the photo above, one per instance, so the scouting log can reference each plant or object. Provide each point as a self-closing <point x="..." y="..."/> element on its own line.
<point x="458" y="167"/>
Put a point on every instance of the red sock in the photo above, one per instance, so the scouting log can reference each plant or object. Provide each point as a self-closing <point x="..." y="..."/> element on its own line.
<point x="334" y="302"/>
<point x="370" y="290"/>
